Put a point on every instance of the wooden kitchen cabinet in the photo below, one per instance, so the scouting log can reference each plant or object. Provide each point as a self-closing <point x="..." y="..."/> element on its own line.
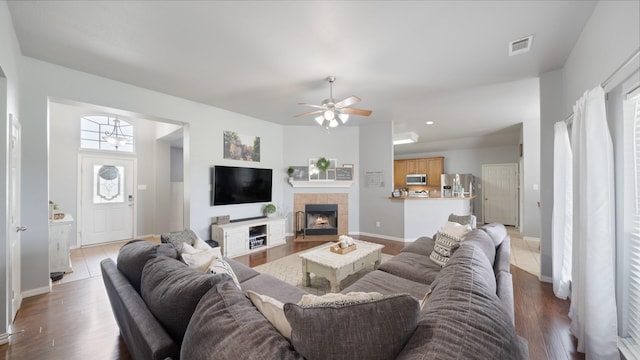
<point x="433" y="167"/>
<point x="399" y="173"/>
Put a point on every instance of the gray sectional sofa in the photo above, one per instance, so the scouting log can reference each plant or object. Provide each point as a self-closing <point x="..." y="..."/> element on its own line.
<point x="166" y="310"/>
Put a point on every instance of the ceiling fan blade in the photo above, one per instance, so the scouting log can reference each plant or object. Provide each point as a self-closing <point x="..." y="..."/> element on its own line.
<point x="313" y="105"/>
<point x="348" y="101"/>
<point x="353" y="111"/>
<point x="310" y="113"/>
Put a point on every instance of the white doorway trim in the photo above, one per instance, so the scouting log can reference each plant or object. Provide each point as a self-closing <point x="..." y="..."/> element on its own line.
<point x="15" y="226"/>
<point x="104" y="157"/>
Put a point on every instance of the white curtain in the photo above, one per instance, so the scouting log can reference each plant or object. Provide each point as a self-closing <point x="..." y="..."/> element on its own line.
<point x="593" y="308"/>
<point x="562" y="218"/>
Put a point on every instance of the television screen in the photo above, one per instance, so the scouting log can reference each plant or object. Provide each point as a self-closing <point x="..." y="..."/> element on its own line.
<point x="240" y="185"/>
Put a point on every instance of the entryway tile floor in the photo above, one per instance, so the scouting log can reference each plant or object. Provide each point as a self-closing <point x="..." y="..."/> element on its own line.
<point x="85" y="261"/>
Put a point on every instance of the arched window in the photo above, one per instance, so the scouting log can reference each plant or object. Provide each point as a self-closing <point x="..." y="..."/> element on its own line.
<point x="106" y="132"/>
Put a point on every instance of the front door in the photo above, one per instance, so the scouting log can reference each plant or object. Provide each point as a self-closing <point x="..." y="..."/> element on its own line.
<point x="15" y="226"/>
<point x="106" y="200"/>
<point x="500" y="193"/>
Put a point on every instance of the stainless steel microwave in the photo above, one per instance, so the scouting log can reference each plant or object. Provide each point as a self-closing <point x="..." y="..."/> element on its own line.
<point x="417" y="179"/>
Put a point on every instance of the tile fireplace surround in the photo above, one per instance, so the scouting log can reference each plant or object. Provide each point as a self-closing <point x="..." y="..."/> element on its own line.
<point x="299" y="201"/>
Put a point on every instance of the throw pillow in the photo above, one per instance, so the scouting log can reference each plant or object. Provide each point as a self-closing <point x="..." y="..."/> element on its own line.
<point x="273" y="310"/>
<point x="219" y="266"/>
<point x="178" y="238"/>
<point x="199" y="259"/>
<point x="133" y="255"/>
<point x="373" y="330"/>
<point x="455" y="230"/>
<point x="460" y="219"/>
<point x="444" y="247"/>
<point x="172" y="290"/>
<point x="337" y="298"/>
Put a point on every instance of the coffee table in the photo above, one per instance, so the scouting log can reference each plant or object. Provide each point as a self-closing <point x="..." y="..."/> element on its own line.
<point x="336" y="267"/>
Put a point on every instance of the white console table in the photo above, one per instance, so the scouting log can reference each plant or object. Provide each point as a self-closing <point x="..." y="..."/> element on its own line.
<point x="242" y="237"/>
<point x="59" y="243"/>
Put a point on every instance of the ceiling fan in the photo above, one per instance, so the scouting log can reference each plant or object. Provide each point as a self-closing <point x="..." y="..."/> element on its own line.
<point x="334" y="113"/>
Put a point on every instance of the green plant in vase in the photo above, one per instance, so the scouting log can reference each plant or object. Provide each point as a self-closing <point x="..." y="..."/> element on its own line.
<point x="290" y="172"/>
<point x="269" y="210"/>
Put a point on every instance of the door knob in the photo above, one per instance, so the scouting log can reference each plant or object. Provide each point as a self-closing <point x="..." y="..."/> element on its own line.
<point x="21" y="228"/>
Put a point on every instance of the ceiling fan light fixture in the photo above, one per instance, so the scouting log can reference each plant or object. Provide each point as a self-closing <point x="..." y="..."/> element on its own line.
<point x="405" y="138"/>
<point x="319" y="120"/>
<point x="343" y="117"/>
<point x="333" y="123"/>
<point x="329" y="115"/>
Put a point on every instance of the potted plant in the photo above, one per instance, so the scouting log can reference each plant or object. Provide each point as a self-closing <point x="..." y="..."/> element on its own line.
<point x="269" y="210"/>
<point x="290" y="173"/>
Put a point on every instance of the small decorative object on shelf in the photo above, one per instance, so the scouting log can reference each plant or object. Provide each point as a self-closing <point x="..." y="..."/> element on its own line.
<point x="269" y="210"/>
<point x="290" y="172"/>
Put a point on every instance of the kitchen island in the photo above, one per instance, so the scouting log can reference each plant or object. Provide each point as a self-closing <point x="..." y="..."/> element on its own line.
<point x="423" y="216"/>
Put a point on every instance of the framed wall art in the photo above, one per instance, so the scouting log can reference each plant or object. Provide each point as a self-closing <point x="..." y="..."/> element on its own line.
<point x="241" y="147"/>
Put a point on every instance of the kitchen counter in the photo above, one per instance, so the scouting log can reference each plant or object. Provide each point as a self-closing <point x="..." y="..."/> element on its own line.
<point x="428" y="214"/>
<point x="431" y="198"/>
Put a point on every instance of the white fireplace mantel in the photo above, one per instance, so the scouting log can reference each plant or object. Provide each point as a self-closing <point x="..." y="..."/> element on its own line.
<point x="321" y="184"/>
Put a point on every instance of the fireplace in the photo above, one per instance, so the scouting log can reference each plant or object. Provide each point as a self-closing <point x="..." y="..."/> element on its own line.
<point x="321" y="219"/>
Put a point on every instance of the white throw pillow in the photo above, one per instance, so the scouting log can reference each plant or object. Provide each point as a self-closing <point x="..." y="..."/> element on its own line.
<point x="199" y="259"/>
<point x="219" y="266"/>
<point x="273" y="310"/>
<point x="455" y="230"/>
<point x="356" y="296"/>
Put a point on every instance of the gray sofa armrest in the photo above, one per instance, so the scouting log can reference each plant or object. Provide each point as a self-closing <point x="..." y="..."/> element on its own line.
<point x="143" y="334"/>
<point x="504" y="282"/>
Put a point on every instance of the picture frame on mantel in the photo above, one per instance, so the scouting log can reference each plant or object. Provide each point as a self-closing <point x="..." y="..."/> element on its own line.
<point x="344" y="173"/>
<point x="316" y="175"/>
<point x="300" y="173"/>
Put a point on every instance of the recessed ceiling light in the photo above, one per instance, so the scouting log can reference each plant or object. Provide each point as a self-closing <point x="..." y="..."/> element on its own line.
<point x="429" y="122"/>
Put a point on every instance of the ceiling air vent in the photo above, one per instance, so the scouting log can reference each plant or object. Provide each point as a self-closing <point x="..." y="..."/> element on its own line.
<point x="520" y="46"/>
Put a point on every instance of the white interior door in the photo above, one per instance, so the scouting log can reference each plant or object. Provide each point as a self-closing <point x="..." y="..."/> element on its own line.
<point x="107" y="203"/>
<point x="500" y="193"/>
<point x="14" y="207"/>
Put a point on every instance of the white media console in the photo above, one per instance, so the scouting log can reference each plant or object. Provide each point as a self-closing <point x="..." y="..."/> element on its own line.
<point x="242" y="237"/>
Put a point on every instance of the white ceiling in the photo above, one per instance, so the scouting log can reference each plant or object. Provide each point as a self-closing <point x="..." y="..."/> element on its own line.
<point x="409" y="61"/>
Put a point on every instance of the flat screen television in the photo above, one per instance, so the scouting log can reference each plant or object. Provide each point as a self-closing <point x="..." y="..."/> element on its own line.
<point x="240" y="185"/>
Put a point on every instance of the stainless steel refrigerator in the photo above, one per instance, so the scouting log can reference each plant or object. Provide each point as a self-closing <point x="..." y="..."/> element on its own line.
<point x="453" y="185"/>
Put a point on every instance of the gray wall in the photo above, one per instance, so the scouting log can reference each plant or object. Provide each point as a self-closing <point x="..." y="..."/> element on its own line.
<point x="607" y="40"/>
<point x="302" y="143"/>
<point x="376" y="155"/>
<point x="550" y="112"/>
<point x="470" y="161"/>
<point x="177" y="165"/>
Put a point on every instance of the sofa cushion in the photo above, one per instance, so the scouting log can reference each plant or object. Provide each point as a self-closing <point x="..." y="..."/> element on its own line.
<point x="268" y="285"/>
<point x="134" y="255"/>
<point x="375" y="329"/>
<point x="411" y="266"/>
<point x="387" y="284"/>
<point x="483" y="241"/>
<point x="243" y="273"/>
<point x="172" y="290"/>
<point x="422" y="246"/>
<point x="226" y="325"/>
<point x="497" y="232"/>
<point x="464" y="319"/>
<point x="220" y="266"/>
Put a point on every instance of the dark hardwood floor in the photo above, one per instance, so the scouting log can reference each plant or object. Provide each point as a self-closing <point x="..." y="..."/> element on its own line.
<point x="74" y="321"/>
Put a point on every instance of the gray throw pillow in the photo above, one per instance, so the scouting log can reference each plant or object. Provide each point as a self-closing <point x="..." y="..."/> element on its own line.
<point x="172" y="290"/>
<point x="134" y="255"/>
<point x="460" y="219"/>
<point x="372" y="330"/>
<point x="226" y="325"/>
<point x="178" y="238"/>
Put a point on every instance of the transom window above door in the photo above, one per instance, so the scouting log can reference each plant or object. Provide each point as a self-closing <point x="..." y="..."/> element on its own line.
<point x="106" y="132"/>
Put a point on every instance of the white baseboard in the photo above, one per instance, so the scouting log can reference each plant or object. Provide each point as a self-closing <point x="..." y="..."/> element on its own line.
<point x="386" y="237"/>
<point x="4" y="338"/>
<point x="546" y="279"/>
<point x="37" y="291"/>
